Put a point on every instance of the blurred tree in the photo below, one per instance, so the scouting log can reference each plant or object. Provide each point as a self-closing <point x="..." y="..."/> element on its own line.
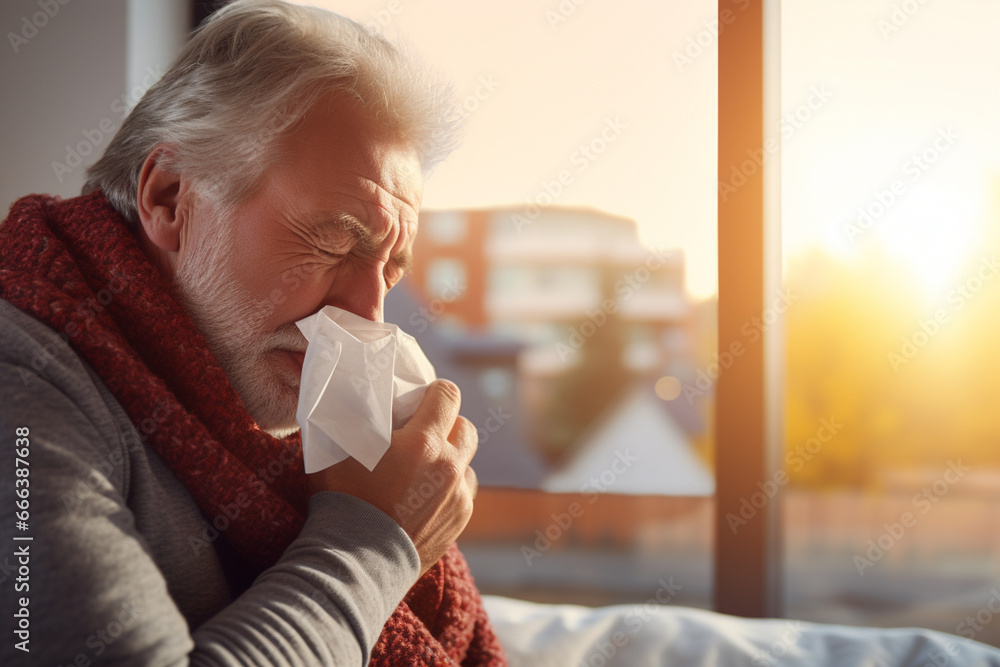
<point x="585" y="389"/>
<point x="863" y="350"/>
<point x="596" y="375"/>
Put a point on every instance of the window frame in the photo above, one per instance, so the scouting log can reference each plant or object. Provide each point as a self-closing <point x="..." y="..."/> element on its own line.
<point x="748" y="417"/>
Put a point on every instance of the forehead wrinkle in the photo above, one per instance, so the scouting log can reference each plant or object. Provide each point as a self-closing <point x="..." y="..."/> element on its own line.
<point x="381" y="192"/>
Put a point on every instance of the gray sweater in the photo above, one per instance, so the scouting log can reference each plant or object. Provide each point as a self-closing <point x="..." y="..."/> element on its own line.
<point x="121" y="567"/>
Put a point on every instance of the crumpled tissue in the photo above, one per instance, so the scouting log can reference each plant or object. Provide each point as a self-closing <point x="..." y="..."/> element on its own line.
<point x="360" y="381"/>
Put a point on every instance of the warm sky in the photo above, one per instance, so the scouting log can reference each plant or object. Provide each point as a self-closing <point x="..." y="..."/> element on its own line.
<point x="894" y="92"/>
<point x="557" y="84"/>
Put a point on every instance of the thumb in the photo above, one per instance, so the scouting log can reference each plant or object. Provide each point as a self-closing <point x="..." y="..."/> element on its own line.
<point x="438" y="409"/>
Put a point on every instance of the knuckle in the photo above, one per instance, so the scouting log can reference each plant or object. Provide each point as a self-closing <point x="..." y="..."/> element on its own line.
<point x="425" y="445"/>
<point x="472" y="479"/>
<point x="452" y="470"/>
<point x="465" y="509"/>
<point x="467" y="433"/>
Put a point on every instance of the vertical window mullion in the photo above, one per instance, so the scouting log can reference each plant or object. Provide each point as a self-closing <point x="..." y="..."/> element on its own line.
<point x="748" y="424"/>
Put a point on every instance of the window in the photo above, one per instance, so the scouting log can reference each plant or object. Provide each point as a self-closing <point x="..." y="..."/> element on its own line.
<point x="446" y="276"/>
<point x="446" y="228"/>
<point x="597" y="161"/>
<point x="889" y="196"/>
<point x="591" y="259"/>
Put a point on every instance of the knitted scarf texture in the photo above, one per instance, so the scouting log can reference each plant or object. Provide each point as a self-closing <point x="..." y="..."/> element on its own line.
<point x="76" y="266"/>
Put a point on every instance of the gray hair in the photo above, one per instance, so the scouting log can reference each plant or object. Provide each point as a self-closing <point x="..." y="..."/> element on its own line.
<point x="248" y="75"/>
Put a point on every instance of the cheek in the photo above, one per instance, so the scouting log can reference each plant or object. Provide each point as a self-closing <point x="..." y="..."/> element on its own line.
<point x="266" y="279"/>
<point x="297" y="292"/>
<point x="260" y="281"/>
<point x="251" y="261"/>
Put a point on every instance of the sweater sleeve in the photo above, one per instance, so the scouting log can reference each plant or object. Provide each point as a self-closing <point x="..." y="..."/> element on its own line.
<point x="326" y="599"/>
<point x="89" y="591"/>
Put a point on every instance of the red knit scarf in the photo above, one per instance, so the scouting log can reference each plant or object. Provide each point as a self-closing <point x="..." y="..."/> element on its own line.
<point x="75" y="265"/>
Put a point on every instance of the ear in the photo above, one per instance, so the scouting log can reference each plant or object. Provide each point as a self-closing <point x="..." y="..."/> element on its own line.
<point x="158" y="202"/>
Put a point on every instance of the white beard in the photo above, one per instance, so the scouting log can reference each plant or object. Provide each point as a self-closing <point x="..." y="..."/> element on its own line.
<point x="233" y="327"/>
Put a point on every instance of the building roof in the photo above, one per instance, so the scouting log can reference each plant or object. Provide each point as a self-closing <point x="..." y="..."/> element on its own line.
<point x="504" y="457"/>
<point x="635" y="447"/>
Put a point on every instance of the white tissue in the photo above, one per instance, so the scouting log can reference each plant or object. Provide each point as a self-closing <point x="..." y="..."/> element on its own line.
<point x="360" y="381"/>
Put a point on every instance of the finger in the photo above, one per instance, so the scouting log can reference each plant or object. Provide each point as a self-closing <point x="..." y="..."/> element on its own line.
<point x="465" y="437"/>
<point x="438" y="409"/>
<point x="472" y="479"/>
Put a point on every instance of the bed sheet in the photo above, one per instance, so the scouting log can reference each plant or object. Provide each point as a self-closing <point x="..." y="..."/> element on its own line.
<point x="540" y="635"/>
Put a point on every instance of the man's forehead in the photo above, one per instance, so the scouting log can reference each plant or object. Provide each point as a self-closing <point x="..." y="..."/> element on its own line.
<point x="340" y="134"/>
<point x="394" y="193"/>
<point x="343" y="171"/>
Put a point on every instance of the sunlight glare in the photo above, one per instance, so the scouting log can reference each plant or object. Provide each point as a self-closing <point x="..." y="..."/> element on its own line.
<point x="936" y="234"/>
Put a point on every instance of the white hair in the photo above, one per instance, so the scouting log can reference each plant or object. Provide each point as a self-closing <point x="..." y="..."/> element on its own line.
<point x="248" y="75"/>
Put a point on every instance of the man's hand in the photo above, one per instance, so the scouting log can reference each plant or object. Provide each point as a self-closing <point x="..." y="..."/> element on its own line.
<point x="424" y="481"/>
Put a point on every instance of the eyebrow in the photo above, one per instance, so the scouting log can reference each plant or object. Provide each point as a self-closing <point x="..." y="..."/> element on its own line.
<point x="352" y="225"/>
<point x="347" y="223"/>
<point x="403" y="260"/>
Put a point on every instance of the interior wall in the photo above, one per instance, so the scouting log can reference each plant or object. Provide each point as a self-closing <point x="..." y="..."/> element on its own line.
<point x="69" y="71"/>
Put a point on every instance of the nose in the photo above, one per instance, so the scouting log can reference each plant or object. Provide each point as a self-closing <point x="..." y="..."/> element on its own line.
<point x="359" y="290"/>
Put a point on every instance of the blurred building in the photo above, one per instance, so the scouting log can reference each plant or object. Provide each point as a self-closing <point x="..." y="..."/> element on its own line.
<point x="517" y="300"/>
<point x="537" y="277"/>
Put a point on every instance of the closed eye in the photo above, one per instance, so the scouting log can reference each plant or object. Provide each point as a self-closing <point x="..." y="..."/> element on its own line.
<point x="397" y="268"/>
<point x="327" y="255"/>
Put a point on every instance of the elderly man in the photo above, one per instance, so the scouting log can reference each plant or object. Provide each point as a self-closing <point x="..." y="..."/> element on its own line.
<point x="150" y="367"/>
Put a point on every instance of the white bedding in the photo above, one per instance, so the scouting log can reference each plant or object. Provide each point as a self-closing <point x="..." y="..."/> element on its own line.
<point x="657" y="635"/>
